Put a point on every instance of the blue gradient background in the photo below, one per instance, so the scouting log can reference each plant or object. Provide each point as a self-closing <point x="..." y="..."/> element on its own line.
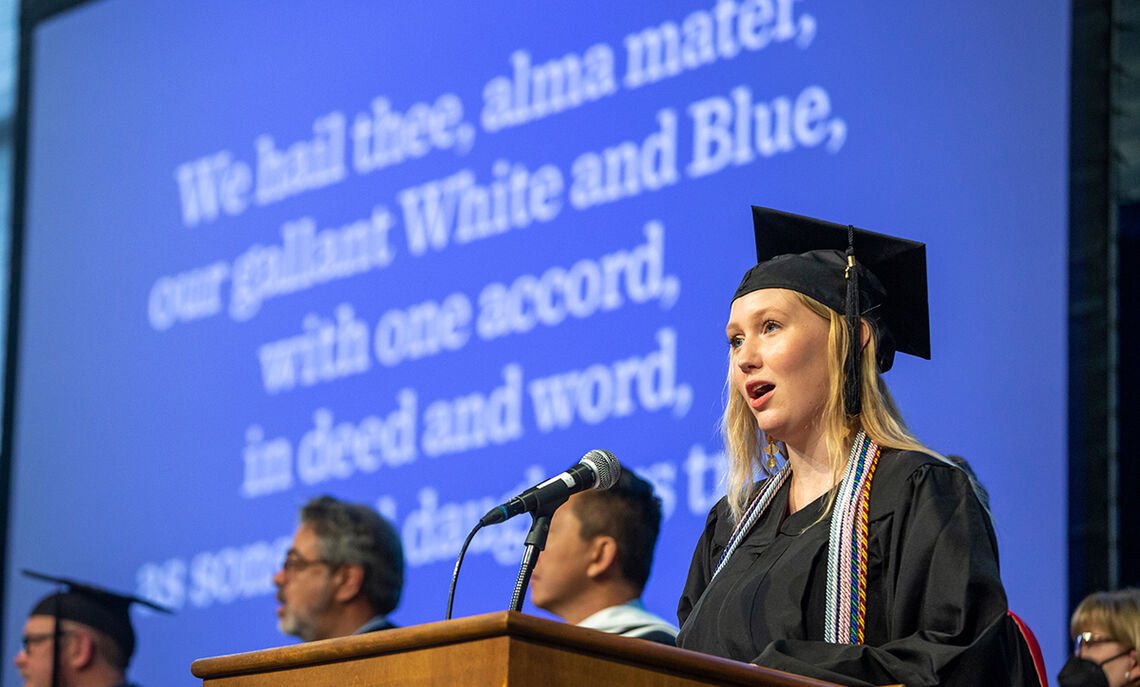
<point x="127" y="443"/>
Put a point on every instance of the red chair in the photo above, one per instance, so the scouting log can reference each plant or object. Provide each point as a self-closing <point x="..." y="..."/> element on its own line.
<point x="1034" y="648"/>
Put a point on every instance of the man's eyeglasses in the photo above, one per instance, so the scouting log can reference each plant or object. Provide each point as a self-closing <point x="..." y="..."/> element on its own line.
<point x="295" y="562"/>
<point x="30" y="640"/>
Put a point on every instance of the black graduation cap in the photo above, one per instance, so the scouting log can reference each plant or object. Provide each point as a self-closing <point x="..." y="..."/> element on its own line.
<point x="102" y="609"/>
<point x="853" y="271"/>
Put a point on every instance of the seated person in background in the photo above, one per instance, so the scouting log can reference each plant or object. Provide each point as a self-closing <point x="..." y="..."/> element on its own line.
<point x="1106" y="627"/>
<point x="94" y="642"/>
<point x="597" y="561"/>
<point x="343" y="574"/>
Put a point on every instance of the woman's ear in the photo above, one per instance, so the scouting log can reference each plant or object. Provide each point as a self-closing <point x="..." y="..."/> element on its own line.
<point x="864" y="333"/>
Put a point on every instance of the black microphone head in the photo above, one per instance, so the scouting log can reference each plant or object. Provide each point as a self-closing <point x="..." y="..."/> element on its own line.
<point x="605" y="466"/>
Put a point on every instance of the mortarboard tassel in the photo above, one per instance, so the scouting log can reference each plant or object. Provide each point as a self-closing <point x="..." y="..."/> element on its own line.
<point x="852" y="402"/>
<point x="56" y="640"/>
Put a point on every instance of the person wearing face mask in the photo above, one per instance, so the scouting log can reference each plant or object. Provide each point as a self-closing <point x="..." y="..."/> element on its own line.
<point x="1106" y="631"/>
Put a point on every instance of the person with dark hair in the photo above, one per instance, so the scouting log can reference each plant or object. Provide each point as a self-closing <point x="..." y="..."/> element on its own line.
<point x="1106" y="634"/>
<point x="80" y="636"/>
<point x="864" y="558"/>
<point x="343" y="575"/>
<point x="597" y="561"/>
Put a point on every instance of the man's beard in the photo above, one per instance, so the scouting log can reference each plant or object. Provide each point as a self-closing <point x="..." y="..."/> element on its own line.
<point x="291" y="624"/>
<point x="303" y="625"/>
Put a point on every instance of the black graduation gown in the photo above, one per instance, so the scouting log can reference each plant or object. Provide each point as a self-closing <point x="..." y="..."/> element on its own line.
<point x="936" y="609"/>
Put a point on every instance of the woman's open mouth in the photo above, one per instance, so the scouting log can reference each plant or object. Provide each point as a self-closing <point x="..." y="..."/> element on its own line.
<point x="758" y="392"/>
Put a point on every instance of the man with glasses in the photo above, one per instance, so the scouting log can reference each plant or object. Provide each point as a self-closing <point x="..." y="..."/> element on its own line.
<point x="82" y="635"/>
<point x="343" y="575"/>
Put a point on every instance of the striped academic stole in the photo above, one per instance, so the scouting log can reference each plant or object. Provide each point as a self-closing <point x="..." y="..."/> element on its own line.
<point x="847" y="546"/>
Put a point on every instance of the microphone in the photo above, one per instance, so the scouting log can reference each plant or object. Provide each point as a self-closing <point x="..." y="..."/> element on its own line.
<point x="598" y="469"/>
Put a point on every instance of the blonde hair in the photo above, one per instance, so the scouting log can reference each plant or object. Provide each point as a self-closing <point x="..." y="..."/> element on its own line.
<point x="880" y="418"/>
<point x="1117" y="613"/>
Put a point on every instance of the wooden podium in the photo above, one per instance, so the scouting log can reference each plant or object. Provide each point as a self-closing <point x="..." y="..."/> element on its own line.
<point x="506" y="648"/>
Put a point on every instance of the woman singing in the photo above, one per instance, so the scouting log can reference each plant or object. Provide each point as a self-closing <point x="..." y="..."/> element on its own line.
<point x="864" y="558"/>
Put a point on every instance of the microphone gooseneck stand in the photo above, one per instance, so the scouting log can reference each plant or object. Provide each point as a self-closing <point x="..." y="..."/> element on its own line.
<point x="535" y="543"/>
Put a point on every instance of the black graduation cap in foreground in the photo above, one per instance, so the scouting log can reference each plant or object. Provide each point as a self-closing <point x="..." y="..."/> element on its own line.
<point x="886" y="285"/>
<point x="102" y="609"/>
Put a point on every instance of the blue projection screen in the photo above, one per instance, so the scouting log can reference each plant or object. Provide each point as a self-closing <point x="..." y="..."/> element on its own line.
<point x="424" y="255"/>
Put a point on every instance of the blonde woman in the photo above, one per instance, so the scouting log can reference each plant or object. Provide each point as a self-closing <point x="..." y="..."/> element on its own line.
<point x="1106" y="632"/>
<point x="863" y="558"/>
